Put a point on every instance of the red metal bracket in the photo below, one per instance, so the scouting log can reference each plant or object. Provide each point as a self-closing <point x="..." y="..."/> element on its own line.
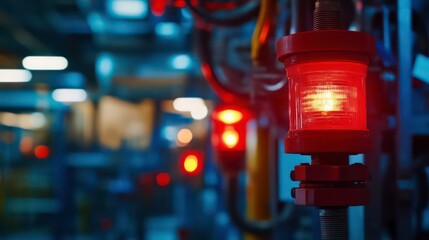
<point x="330" y="181"/>
<point x="349" y="173"/>
<point x="327" y="197"/>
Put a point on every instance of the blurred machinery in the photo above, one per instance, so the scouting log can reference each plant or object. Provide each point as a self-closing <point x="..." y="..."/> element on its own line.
<point x="174" y="119"/>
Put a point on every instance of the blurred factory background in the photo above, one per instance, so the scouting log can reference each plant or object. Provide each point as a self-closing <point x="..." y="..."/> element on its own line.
<point x="106" y="120"/>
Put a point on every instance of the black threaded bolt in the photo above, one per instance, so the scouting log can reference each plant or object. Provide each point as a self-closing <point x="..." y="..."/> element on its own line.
<point x="327" y="15"/>
<point x="334" y="223"/>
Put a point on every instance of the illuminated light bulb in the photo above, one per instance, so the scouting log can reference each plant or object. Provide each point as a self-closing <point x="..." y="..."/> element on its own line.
<point x="184" y="136"/>
<point x="230" y="137"/>
<point x="230" y="116"/>
<point x="327" y="95"/>
<point x="191" y="163"/>
<point x="324" y="101"/>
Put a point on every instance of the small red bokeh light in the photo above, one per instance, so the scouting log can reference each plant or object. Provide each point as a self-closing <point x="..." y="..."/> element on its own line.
<point x="42" y="152"/>
<point x="163" y="179"/>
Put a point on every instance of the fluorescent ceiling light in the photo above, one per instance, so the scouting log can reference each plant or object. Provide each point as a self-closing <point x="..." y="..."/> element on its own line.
<point x="69" y="95"/>
<point x="15" y="75"/>
<point x="45" y="63"/>
<point x="128" y="8"/>
<point x="185" y="104"/>
<point x="196" y="107"/>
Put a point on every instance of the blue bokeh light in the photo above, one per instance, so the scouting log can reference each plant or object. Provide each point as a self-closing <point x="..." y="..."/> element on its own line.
<point x="133" y="9"/>
<point x="181" y="62"/>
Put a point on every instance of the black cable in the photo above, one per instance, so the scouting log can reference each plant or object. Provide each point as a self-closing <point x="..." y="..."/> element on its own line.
<point x="254" y="227"/>
<point x="204" y="53"/>
<point x="234" y="18"/>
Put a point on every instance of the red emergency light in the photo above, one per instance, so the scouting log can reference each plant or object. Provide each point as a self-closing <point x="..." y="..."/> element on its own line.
<point x="326" y="71"/>
<point x="229" y="136"/>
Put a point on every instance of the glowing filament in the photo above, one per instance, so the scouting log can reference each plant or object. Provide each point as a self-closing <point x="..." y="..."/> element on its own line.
<point x="324" y="101"/>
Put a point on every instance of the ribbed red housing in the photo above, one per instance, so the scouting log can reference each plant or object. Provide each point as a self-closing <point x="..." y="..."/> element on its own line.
<point x="326" y="73"/>
<point x="327" y="95"/>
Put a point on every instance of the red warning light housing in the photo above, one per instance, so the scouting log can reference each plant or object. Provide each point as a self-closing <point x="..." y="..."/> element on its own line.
<point x="192" y="162"/>
<point x="326" y="73"/>
<point x="229" y="134"/>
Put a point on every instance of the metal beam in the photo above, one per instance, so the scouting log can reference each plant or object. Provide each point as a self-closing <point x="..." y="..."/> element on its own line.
<point x="404" y="226"/>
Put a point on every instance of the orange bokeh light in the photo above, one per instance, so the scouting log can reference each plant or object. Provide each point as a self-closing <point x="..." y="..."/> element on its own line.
<point x="184" y="136"/>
